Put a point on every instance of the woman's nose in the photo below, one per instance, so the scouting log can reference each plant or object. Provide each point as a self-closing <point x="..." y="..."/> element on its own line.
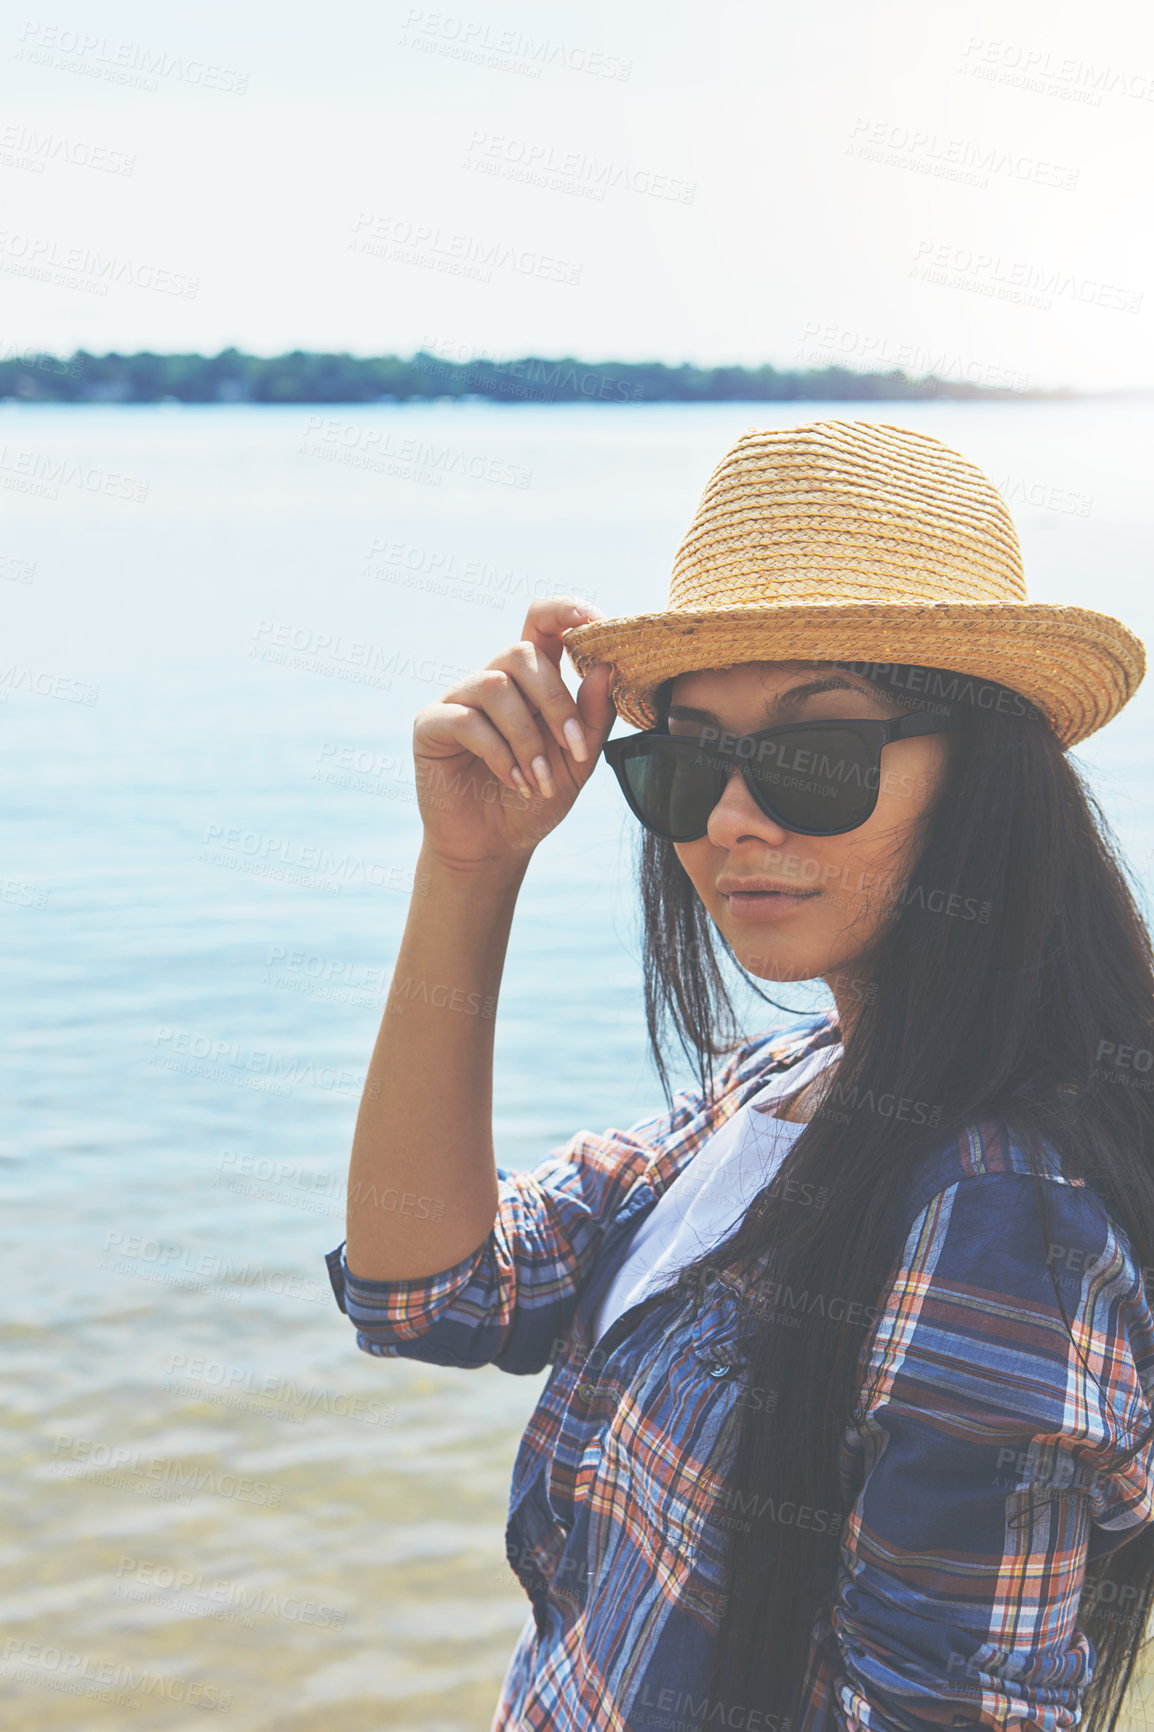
<point x="737" y="814"/>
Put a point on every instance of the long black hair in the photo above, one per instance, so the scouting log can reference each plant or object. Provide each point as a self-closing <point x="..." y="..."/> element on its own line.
<point x="1004" y="1016"/>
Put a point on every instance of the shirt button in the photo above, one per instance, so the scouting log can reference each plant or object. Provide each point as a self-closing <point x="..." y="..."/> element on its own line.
<point x="586" y="1391"/>
<point x="719" y="1370"/>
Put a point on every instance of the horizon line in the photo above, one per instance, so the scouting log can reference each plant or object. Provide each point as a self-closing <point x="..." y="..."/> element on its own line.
<point x="233" y="375"/>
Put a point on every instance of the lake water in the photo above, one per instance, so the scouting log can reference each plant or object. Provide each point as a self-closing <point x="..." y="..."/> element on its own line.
<point x="212" y="1496"/>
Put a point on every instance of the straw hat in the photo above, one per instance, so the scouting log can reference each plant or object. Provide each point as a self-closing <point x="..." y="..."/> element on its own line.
<point x="858" y="541"/>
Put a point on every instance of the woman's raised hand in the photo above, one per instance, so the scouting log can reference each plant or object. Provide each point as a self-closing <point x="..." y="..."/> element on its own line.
<point x="501" y="757"/>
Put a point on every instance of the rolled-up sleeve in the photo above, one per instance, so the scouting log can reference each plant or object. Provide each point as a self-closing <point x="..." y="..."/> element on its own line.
<point x="988" y="1463"/>
<point x="509" y="1301"/>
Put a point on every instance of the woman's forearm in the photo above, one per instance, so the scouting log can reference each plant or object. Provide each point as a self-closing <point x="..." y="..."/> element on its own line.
<point x="422" y="1175"/>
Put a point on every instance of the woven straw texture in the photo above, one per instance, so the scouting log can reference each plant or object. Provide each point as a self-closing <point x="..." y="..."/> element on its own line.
<point x="854" y="541"/>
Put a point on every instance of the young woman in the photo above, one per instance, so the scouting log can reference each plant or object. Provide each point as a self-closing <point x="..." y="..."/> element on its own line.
<point x="849" y="1417"/>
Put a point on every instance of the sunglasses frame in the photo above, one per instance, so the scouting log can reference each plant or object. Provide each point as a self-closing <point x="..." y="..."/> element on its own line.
<point x="873" y="733"/>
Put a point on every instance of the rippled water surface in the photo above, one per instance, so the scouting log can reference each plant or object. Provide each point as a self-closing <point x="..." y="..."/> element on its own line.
<point x="218" y="632"/>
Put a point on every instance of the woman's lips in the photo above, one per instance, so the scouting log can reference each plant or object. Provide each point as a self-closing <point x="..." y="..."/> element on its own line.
<point x="767" y="904"/>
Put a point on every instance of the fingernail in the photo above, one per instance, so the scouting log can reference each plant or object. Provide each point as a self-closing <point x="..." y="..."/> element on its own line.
<point x="520" y="781"/>
<point x="575" y="734"/>
<point x="540" y="767"/>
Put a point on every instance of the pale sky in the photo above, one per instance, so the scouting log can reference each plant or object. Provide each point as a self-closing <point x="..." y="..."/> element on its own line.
<point x="957" y="189"/>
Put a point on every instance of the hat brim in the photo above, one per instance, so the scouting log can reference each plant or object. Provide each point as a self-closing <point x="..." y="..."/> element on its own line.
<point x="1079" y="667"/>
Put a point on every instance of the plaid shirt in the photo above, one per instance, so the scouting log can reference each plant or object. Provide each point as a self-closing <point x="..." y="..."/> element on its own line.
<point x="979" y="1474"/>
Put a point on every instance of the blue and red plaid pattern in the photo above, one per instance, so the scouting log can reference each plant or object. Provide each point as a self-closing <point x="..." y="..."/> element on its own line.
<point x="980" y="1473"/>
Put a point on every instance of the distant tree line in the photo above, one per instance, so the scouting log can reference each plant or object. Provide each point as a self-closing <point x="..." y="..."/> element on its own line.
<point x="303" y="377"/>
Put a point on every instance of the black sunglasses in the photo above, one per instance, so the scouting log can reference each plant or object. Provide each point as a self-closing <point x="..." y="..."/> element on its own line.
<point x="814" y="778"/>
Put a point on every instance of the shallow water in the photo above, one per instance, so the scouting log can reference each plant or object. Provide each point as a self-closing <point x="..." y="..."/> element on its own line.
<point x="211" y="1493"/>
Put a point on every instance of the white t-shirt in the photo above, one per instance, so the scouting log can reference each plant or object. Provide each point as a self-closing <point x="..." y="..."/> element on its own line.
<point x="708" y="1198"/>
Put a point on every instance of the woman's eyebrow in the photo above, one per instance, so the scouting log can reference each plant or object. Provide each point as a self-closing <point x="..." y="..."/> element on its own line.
<point x="781" y="704"/>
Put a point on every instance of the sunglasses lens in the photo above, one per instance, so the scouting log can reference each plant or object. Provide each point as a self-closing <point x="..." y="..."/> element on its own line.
<point x="818" y="781"/>
<point x="674" y="788"/>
